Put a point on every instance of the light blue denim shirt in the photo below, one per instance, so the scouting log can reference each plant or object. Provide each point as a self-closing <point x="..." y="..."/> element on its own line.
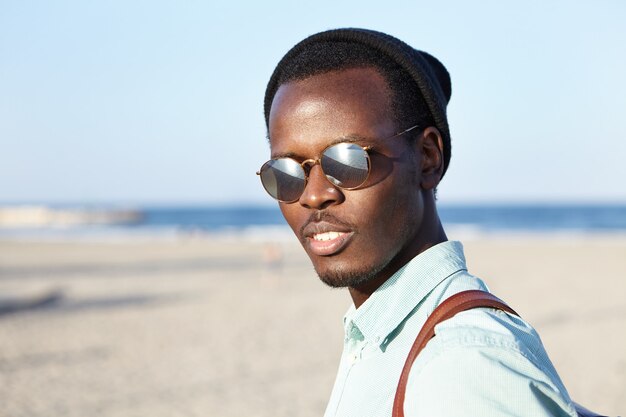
<point x="482" y="362"/>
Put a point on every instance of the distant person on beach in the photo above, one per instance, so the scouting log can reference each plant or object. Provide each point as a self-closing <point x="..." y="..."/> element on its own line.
<point x="359" y="143"/>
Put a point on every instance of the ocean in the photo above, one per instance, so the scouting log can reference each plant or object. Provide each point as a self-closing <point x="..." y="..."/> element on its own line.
<point x="480" y="217"/>
<point x="264" y="220"/>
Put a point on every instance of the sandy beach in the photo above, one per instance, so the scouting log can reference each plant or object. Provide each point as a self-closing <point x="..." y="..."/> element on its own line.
<point x="220" y="327"/>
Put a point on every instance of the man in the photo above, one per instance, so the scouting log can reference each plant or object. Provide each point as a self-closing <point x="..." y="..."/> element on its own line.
<point x="359" y="142"/>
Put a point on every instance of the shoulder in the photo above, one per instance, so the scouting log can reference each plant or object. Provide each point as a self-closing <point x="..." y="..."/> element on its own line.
<point x="485" y="362"/>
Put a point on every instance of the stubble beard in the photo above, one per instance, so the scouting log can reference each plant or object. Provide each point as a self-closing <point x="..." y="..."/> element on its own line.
<point x="342" y="276"/>
<point x="339" y="277"/>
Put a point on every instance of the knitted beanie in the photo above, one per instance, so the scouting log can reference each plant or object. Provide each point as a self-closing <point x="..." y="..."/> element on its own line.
<point x="430" y="76"/>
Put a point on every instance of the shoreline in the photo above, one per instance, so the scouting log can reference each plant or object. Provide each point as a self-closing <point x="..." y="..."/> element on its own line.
<point x="275" y="233"/>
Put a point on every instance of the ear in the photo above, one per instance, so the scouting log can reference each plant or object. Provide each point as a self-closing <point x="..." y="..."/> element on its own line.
<point x="431" y="149"/>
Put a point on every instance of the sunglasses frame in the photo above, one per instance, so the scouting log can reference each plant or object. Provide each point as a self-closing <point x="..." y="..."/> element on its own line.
<point x="310" y="163"/>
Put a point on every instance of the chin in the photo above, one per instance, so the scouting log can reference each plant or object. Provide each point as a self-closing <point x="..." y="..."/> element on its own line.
<point x="339" y="276"/>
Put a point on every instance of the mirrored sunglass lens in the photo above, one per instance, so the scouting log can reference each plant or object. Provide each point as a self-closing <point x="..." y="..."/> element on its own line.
<point x="346" y="165"/>
<point x="283" y="179"/>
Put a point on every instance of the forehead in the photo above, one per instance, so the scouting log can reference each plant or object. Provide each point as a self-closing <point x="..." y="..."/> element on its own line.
<point x="328" y="106"/>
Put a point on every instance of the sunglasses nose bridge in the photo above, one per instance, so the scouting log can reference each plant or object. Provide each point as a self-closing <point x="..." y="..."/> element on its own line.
<point x="308" y="164"/>
<point x="319" y="191"/>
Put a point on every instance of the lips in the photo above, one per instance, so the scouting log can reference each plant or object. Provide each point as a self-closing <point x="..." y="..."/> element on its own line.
<point x="326" y="239"/>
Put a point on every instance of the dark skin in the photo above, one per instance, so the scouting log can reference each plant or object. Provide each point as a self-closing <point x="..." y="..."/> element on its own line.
<point x="391" y="218"/>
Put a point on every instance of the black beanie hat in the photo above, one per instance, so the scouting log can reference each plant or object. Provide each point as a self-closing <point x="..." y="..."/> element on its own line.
<point x="430" y="76"/>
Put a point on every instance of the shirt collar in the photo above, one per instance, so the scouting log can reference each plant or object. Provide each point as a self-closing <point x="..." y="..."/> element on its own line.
<point x="392" y="302"/>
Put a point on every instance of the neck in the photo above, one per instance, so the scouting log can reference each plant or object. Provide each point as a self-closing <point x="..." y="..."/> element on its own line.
<point x="425" y="239"/>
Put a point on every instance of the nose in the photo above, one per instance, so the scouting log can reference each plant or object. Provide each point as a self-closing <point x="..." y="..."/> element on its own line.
<point x="319" y="193"/>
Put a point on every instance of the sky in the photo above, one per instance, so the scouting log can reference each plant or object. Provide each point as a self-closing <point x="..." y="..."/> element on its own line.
<point x="161" y="102"/>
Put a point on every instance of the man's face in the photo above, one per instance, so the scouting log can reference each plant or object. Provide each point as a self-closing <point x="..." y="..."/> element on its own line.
<point x="351" y="236"/>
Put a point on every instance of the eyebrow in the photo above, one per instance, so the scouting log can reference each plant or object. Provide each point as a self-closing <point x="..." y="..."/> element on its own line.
<point x="351" y="138"/>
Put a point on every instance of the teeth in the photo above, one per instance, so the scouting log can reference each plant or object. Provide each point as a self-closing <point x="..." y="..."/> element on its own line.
<point x="327" y="236"/>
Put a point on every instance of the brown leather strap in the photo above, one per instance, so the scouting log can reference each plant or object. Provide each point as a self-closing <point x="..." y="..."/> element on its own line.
<point x="462" y="301"/>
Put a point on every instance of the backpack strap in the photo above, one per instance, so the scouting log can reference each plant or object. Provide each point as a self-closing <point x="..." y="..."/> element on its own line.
<point x="462" y="301"/>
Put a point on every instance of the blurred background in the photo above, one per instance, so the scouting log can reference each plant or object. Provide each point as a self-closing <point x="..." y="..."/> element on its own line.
<point x="143" y="269"/>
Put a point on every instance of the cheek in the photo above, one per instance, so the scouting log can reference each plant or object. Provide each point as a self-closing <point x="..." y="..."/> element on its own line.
<point x="395" y="213"/>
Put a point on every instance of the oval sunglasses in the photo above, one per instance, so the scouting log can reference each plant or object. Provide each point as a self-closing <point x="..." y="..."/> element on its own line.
<point x="345" y="164"/>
